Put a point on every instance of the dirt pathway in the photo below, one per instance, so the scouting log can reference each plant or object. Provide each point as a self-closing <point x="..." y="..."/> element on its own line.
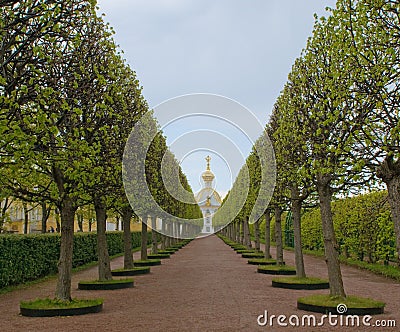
<point x="205" y="286"/>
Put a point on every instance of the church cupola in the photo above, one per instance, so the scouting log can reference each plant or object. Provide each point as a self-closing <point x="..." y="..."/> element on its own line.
<point x="207" y="175"/>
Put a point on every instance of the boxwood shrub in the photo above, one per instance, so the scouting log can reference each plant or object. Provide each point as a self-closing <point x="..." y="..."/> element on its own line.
<point x="29" y="257"/>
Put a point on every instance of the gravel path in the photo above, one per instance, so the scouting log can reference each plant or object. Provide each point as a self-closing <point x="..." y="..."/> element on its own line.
<point x="205" y="286"/>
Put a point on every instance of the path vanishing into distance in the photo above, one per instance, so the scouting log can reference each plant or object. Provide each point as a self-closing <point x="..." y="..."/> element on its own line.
<point x="206" y="286"/>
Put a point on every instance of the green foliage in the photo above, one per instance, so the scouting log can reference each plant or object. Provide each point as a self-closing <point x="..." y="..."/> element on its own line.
<point x="363" y="226"/>
<point x="68" y="102"/>
<point x="276" y="268"/>
<point x="106" y="282"/>
<point x="29" y="257"/>
<point x="349" y="301"/>
<point x="311" y="230"/>
<point x="297" y="280"/>
<point x="58" y="304"/>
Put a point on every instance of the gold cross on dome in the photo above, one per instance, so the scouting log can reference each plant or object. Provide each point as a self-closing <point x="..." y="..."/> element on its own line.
<point x="208" y="159"/>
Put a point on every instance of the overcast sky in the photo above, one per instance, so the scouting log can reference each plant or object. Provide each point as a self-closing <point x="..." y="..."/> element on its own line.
<point x="240" y="49"/>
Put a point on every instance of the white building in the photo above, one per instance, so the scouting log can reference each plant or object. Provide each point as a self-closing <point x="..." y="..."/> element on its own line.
<point x="208" y="199"/>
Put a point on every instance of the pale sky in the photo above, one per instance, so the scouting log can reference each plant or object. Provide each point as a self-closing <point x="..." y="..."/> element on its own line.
<point x="239" y="49"/>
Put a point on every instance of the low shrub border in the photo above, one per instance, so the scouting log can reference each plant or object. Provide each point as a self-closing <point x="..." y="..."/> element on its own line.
<point x="388" y="271"/>
<point x="30" y="257"/>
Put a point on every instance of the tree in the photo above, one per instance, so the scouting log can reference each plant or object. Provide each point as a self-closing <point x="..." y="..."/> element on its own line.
<point x="57" y="132"/>
<point x="291" y="151"/>
<point x="374" y="56"/>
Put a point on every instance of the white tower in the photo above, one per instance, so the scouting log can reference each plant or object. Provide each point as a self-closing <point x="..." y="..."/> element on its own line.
<point x="208" y="199"/>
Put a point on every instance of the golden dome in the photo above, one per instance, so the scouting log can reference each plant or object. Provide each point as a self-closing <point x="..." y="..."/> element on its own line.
<point x="208" y="176"/>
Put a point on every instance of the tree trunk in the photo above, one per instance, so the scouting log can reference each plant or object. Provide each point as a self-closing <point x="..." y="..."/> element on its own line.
<point x="45" y="216"/>
<point x="143" y="247"/>
<point x="79" y="217"/>
<point x="237" y="231"/>
<point x="246" y="231"/>
<point x="126" y="222"/>
<point x="119" y="225"/>
<point x="154" y="237"/>
<point x="26" y="219"/>
<point x="278" y="236"/>
<point x="267" y="235"/>
<point x="58" y="225"/>
<point x="176" y="236"/>
<point x="63" y="288"/>
<point x="331" y="247"/>
<point x="241" y="232"/>
<point x="298" y="250"/>
<point x="183" y="231"/>
<point x="102" y="250"/>
<point x="163" y="237"/>
<point x="393" y="188"/>
<point x="175" y="231"/>
<point x="168" y="228"/>
<point x="257" y="234"/>
<point x="389" y="172"/>
<point x="180" y="229"/>
<point x="3" y="213"/>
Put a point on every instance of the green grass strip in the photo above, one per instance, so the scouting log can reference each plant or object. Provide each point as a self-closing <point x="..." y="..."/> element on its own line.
<point x="58" y="304"/>
<point x="349" y="301"/>
<point x="302" y="281"/>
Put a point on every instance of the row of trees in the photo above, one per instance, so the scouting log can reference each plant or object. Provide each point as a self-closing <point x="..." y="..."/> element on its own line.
<point x="68" y="104"/>
<point x="335" y="125"/>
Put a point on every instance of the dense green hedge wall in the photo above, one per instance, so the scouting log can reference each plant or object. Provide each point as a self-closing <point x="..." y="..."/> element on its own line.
<point x="29" y="257"/>
<point x="363" y="225"/>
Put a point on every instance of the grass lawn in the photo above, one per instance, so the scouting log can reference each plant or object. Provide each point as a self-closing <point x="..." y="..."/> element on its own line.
<point x="58" y="304"/>
<point x="350" y="301"/>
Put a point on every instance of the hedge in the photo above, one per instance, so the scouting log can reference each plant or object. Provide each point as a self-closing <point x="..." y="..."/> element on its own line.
<point x="363" y="225"/>
<point x="29" y="257"/>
